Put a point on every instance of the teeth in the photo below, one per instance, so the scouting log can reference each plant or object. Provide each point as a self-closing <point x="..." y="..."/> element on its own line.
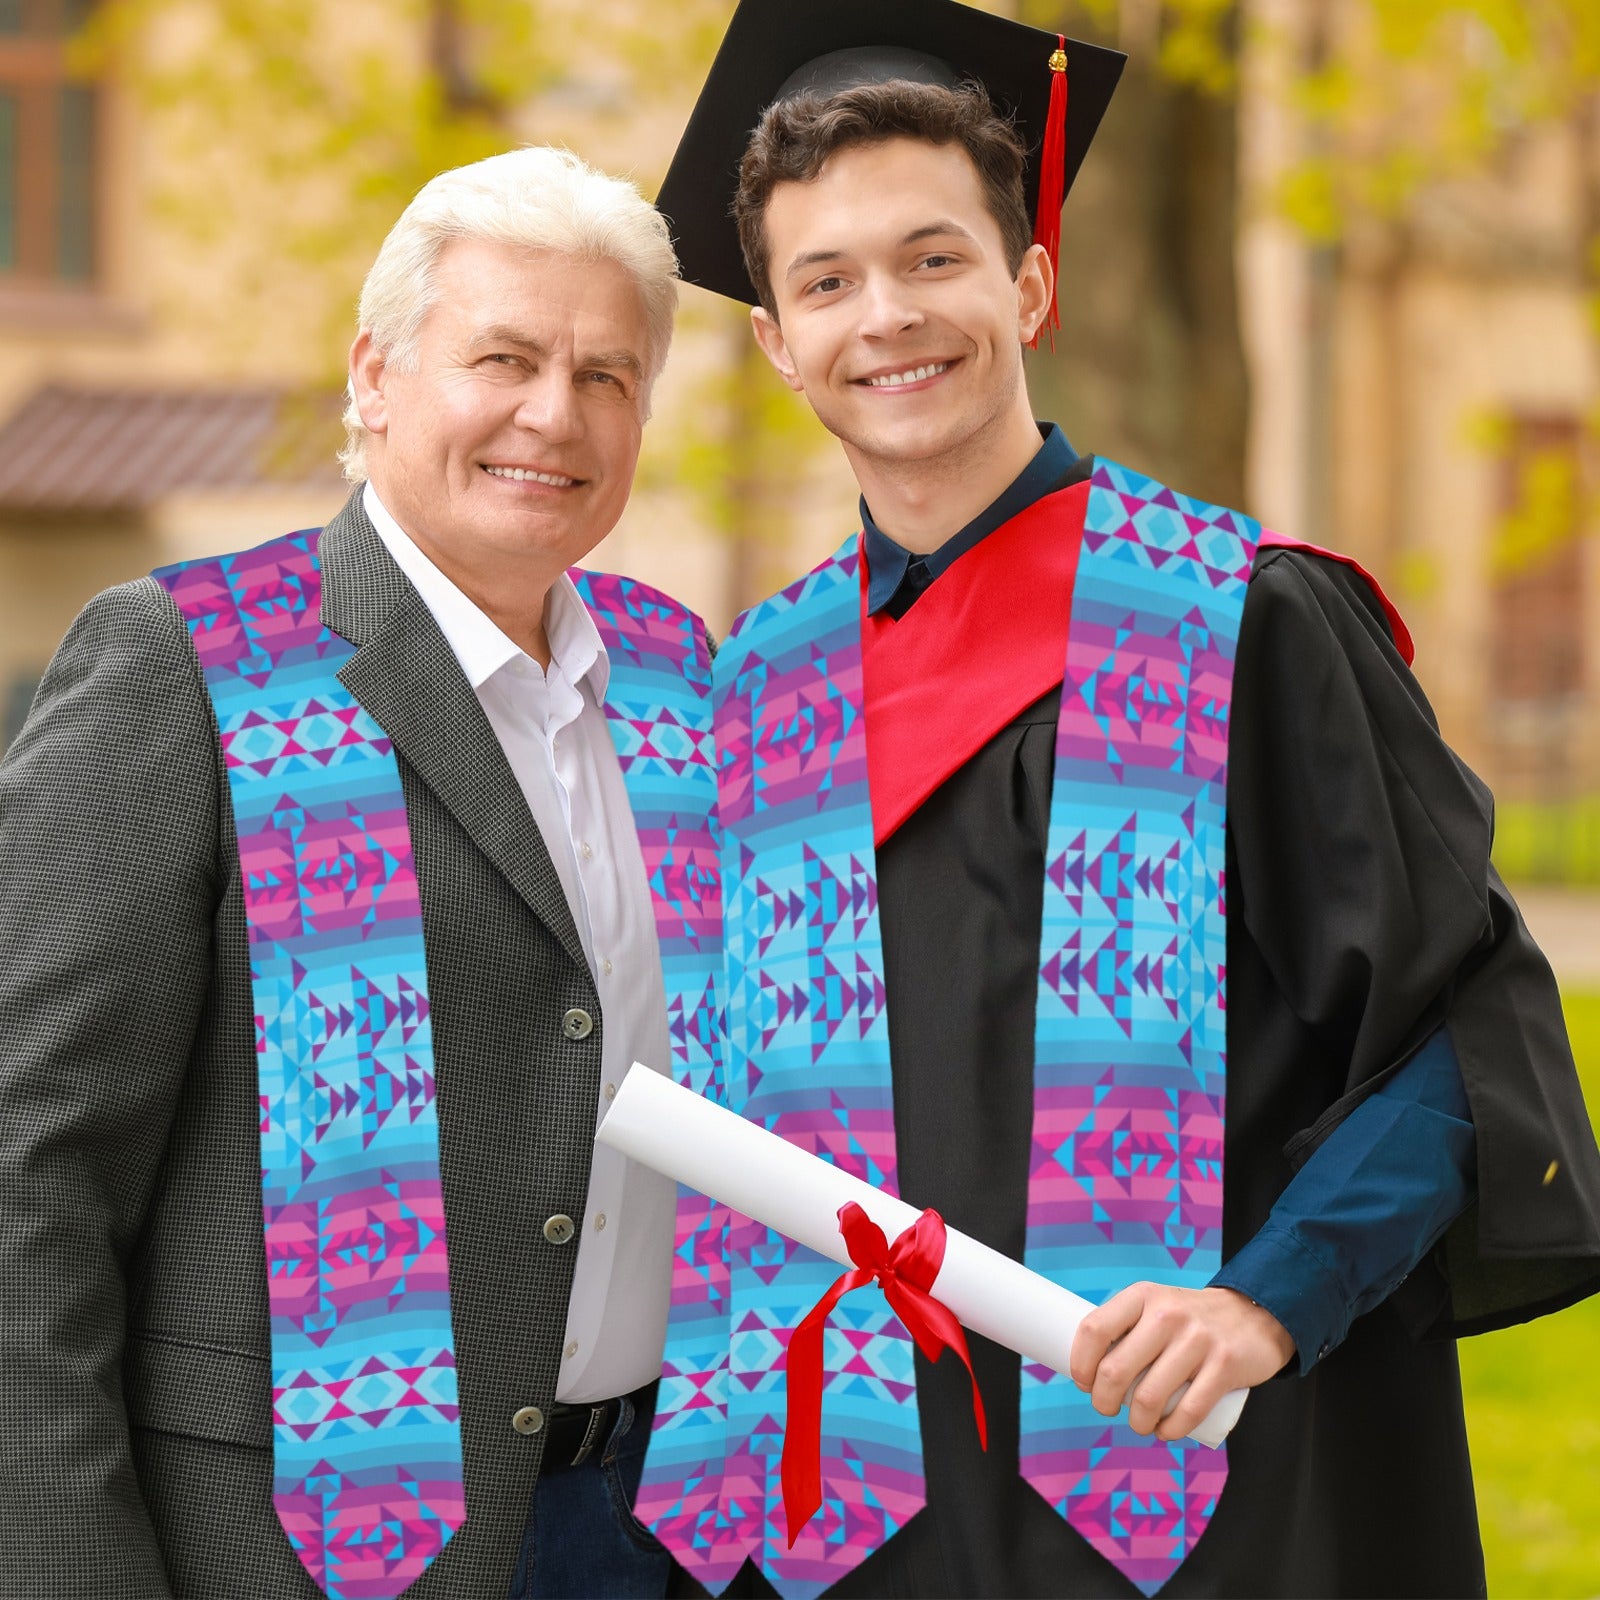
<point x="914" y="375"/>
<point x="518" y="475"/>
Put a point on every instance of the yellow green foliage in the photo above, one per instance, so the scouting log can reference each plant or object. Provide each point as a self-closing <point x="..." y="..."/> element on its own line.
<point x="1397" y="94"/>
<point x="321" y="121"/>
<point x="1196" y="47"/>
<point x="1309" y="198"/>
<point x="1550" y="842"/>
<point x="1550" y="511"/>
<point x="1416" y="575"/>
<point x="1533" y="1418"/>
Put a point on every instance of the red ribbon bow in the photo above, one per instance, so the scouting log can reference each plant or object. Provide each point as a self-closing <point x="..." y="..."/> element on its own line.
<point x="907" y="1270"/>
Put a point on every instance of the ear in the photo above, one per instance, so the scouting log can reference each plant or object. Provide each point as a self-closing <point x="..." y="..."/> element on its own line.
<point x="1036" y="281"/>
<point x="367" y="373"/>
<point x="774" y="347"/>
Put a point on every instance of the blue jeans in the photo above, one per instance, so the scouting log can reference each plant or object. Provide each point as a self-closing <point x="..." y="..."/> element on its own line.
<point x="583" y="1541"/>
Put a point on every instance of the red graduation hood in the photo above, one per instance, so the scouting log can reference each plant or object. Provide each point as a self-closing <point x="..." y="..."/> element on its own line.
<point x="1397" y="624"/>
<point x="980" y="646"/>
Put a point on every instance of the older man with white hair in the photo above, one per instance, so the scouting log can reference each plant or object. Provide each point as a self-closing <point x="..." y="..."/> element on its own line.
<point x="339" y="882"/>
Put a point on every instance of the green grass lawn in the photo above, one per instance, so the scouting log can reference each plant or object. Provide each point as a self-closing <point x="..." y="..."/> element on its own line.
<point x="1533" y="1413"/>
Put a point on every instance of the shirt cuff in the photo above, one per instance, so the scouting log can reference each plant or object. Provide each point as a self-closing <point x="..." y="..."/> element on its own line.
<point x="1282" y="1275"/>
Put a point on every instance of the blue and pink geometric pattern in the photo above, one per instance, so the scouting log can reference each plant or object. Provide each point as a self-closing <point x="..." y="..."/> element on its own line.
<point x="808" y="1058"/>
<point x="1126" y="1170"/>
<point x="658" y="705"/>
<point x="367" y="1440"/>
<point x="1130" y="1060"/>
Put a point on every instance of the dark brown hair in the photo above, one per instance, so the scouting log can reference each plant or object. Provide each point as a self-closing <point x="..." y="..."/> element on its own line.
<point x="796" y="137"/>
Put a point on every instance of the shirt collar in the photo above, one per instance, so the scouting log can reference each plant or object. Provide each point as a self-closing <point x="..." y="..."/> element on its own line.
<point x="888" y="561"/>
<point x="575" y="642"/>
<point x="476" y="640"/>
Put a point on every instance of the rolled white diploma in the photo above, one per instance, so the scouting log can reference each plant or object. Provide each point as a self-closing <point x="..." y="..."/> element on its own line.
<point x="684" y="1136"/>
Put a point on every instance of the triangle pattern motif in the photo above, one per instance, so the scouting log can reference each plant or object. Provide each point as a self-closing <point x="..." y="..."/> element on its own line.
<point x="367" y="1472"/>
<point x="1130" y="1060"/>
<point x="808" y="1058"/>
<point x="1127" y="1153"/>
<point x="658" y="708"/>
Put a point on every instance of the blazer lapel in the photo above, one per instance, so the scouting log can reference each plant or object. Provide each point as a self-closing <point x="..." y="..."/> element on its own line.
<point x="405" y="674"/>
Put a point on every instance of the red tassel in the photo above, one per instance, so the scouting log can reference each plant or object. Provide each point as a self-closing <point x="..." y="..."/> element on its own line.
<point x="1052" y="183"/>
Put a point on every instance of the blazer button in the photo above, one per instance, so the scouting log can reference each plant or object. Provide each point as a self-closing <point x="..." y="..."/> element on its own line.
<point x="560" y="1229"/>
<point x="577" y="1024"/>
<point x="530" y="1419"/>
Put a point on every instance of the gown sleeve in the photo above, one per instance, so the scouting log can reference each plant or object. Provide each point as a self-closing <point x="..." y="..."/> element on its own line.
<point x="1359" y="864"/>
<point x="1368" y="1205"/>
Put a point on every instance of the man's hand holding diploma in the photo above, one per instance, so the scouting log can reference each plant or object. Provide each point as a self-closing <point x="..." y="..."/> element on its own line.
<point x="1214" y="1340"/>
<point x="755" y="1172"/>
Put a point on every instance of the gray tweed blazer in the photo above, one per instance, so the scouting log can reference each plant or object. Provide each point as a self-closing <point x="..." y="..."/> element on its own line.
<point x="135" y="1406"/>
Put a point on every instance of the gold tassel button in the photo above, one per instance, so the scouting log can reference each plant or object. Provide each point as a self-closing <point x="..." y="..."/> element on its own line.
<point x="1058" y="62"/>
<point x="1550" y="1173"/>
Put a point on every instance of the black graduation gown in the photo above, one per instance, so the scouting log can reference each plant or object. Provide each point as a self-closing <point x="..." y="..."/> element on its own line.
<point x="1362" y="912"/>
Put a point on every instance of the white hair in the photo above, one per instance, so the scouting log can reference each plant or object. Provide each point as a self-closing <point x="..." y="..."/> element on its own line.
<point x="536" y="197"/>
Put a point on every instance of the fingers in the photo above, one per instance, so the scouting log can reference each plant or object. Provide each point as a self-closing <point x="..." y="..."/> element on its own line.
<point x="1177" y="1364"/>
<point x="1206" y="1387"/>
<point x="1100" y="1330"/>
<point x="1122" y="1365"/>
<point x="1152" y="1339"/>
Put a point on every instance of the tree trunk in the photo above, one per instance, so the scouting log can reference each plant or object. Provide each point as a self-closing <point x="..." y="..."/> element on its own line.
<point x="1148" y="367"/>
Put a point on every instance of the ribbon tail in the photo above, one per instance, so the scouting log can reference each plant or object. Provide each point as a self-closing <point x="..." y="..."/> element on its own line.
<point x="802" y="1434"/>
<point x="934" y="1327"/>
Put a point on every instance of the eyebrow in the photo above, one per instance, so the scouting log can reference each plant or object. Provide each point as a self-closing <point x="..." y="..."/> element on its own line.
<point x="503" y="333"/>
<point x="623" y="360"/>
<point x="941" y="228"/>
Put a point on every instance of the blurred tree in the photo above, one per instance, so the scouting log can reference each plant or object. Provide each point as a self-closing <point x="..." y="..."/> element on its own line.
<point x="1405" y="101"/>
<point x="302" y="127"/>
<point x="295" y="131"/>
<point x="744" y="448"/>
<point x="329" y="117"/>
<point x="1401" y="95"/>
<point x="1149" y="367"/>
<point x="1395" y="99"/>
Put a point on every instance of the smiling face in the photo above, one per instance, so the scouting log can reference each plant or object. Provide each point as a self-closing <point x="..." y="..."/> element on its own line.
<point x="508" y="449"/>
<point x="898" y="316"/>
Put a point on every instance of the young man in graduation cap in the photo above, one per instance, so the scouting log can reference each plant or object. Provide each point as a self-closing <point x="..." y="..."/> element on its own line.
<point x="985" y="773"/>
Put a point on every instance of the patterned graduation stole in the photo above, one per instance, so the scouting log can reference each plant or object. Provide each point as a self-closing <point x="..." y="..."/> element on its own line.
<point x="367" y="1442"/>
<point x="1130" y="1055"/>
<point x="808" y="1058"/>
<point x="658" y="706"/>
<point x="1130" y="1017"/>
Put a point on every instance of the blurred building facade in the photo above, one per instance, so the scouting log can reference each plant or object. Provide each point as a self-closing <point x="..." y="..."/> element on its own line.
<point x="1426" y="396"/>
<point x="160" y="400"/>
<point x="121" y="445"/>
<point x="1422" y="396"/>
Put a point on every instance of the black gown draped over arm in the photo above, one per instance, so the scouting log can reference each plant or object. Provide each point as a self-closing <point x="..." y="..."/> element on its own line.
<point x="1359" y="851"/>
<point x="1362" y="914"/>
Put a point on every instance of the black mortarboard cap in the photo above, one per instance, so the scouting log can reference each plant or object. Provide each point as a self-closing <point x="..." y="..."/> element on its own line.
<point x="776" y="48"/>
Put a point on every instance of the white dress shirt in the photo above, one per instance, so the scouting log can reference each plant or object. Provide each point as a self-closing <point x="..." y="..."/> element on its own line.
<point x="552" y="727"/>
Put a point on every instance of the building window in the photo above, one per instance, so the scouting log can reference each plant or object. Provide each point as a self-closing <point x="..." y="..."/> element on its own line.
<point x="48" y="138"/>
<point x="1538" y="568"/>
<point x="1540" y="635"/>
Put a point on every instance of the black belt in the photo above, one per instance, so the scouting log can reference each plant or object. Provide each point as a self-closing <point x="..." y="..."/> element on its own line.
<point x="573" y="1433"/>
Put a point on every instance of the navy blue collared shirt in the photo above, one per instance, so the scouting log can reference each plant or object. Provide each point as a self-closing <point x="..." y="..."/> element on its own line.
<point x="896" y="577"/>
<point x="1379" y="1192"/>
